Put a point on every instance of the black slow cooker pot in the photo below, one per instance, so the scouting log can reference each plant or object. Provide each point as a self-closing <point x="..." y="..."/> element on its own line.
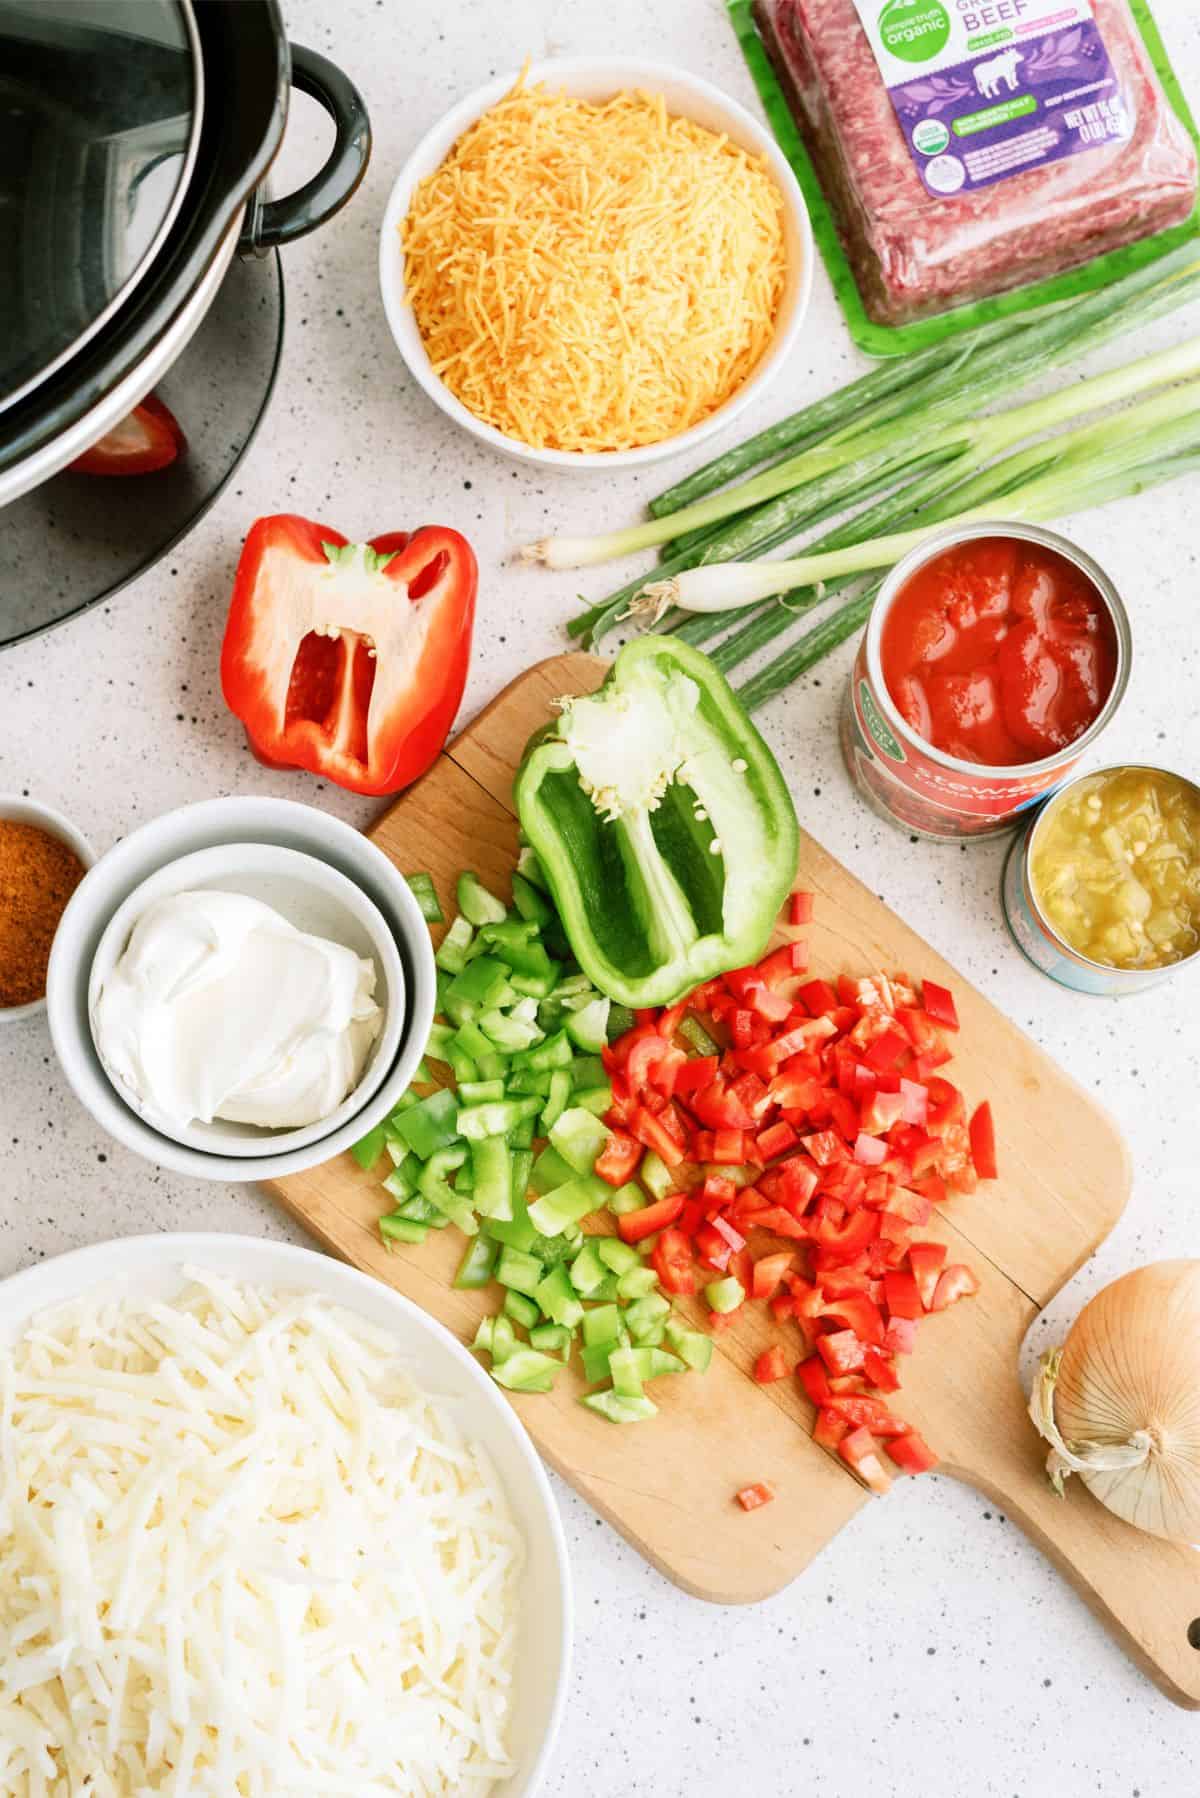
<point x="134" y="138"/>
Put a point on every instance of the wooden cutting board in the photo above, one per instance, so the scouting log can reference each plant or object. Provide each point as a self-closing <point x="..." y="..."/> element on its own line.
<point x="668" y="1485"/>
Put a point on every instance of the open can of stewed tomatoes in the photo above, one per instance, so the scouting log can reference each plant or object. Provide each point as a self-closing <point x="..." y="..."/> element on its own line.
<point x="904" y="774"/>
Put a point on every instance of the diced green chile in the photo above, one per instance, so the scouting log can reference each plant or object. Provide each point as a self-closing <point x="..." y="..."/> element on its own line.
<point x="672" y="864"/>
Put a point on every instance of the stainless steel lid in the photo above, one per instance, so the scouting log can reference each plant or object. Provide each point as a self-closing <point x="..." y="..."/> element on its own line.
<point x="100" y="110"/>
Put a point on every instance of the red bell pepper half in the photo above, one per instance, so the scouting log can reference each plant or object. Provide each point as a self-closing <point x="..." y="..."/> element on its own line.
<point x="147" y="439"/>
<point x="349" y="659"/>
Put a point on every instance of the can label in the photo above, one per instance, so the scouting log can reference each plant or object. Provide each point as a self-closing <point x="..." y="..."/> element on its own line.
<point x="921" y="793"/>
<point x="1045" y="950"/>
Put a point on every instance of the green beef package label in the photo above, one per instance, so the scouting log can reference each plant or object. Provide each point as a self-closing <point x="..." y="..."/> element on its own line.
<point x="985" y="89"/>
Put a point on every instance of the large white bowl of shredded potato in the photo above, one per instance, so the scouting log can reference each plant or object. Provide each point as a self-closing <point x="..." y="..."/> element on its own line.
<point x="595" y="262"/>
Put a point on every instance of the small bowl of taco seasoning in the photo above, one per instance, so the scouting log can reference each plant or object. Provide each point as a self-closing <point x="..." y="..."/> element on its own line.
<point x="43" y="858"/>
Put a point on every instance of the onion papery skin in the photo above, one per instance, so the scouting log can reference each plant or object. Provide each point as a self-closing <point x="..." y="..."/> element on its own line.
<point x="1132" y="1363"/>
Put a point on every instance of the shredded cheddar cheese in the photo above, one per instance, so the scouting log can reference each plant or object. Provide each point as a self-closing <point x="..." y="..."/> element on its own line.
<point x="594" y="276"/>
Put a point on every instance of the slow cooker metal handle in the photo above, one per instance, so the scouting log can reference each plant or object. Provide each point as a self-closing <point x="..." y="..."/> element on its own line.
<point x="273" y="222"/>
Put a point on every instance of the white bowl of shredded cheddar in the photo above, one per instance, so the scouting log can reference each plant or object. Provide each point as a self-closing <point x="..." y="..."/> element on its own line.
<point x="595" y="262"/>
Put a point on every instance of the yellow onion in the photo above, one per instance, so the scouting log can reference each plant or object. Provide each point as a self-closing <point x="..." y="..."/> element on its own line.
<point x="1120" y="1401"/>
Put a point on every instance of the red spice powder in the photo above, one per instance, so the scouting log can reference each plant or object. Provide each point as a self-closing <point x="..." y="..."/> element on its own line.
<point x="38" y="874"/>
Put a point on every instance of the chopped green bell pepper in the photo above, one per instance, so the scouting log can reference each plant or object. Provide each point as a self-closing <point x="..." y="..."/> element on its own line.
<point x="402" y="1229"/>
<point x="451" y="957"/>
<point x="425" y="894"/>
<point x="527" y="1370"/>
<point x="579" y="1137"/>
<point x="429" y="1125"/>
<point x="725" y="1295"/>
<point x="368" y="1151"/>
<point x="619" y="1256"/>
<point x="476" y="904"/>
<point x="694" y="1347"/>
<point x="522" y="1272"/>
<point x="521" y="1309"/>
<point x="475" y="1268"/>
<point x="618" y="1409"/>
<point x="663" y="824"/>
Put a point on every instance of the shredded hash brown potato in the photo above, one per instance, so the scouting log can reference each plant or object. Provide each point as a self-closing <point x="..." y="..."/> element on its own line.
<point x="241" y="1556"/>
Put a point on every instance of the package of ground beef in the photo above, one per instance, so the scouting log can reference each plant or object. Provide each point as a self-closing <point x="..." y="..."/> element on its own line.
<point x="970" y="147"/>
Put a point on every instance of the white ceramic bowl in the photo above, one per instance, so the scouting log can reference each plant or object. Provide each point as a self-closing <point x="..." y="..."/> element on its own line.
<point x="151" y="1267"/>
<point x="217" y="824"/>
<point x="18" y="810"/>
<point x="598" y="78"/>
<point x="312" y="896"/>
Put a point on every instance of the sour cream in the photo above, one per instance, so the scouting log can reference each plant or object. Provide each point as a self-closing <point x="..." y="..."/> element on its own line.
<point x="220" y="1008"/>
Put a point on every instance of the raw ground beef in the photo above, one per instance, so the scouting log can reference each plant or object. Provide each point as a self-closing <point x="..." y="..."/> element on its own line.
<point x="913" y="254"/>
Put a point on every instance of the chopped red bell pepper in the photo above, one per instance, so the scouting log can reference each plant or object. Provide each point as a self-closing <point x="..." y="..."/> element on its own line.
<point x="901" y="1293"/>
<point x="818" y="998"/>
<point x="776" y="1141"/>
<point x="956" y="1283"/>
<point x="752" y="1497"/>
<point x="815" y="1380"/>
<point x="769" y="1272"/>
<point x="911" y="1453"/>
<point x="939" y="1004"/>
<point x="618" y="1159"/>
<point x="926" y="1260"/>
<point x="879" y="1371"/>
<point x="635" y="1226"/>
<point x="771" y="1365"/>
<point x="901" y="1335"/>
<point x="830" y="1430"/>
<point x="860" y="1451"/>
<point x="349" y="659"/>
<point x="672" y="1262"/>
<point x="800" y="908"/>
<point x="694" y="1074"/>
<point x="841" y="1351"/>
<point x="836" y="1089"/>
<point x="856" y="1312"/>
<point x="983" y="1141"/>
<point x="867" y="1413"/>
<point x="147" y="439"/>
<point x="784" y="964"/>
<point x="653" y="1135"/>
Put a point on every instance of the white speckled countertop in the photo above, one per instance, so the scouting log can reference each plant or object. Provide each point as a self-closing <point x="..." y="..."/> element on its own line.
<point x="930" y="1649"/>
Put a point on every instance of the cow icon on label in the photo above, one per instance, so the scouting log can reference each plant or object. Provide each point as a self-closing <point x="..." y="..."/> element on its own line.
<point x="997" y="69"/>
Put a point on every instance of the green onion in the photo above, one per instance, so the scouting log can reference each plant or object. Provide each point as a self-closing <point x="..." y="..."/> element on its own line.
<point x="1084" y="467"/>
<point x="988" y="379"/>
<point x="864" y="397"/>
<point x="807" y="651"/>
<point x="921" y="410"/>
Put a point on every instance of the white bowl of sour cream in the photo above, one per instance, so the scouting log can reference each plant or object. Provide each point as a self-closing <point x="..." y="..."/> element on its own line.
<point x="351" y="894"/>
<point x="246" y="1000"/>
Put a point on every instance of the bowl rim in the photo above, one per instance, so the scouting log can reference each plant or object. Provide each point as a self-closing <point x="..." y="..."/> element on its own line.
<point x="325" y="835"/>
<point x="433" y="147"/>
<point x="16" y="808"/>
<point x="239" y="860"/>
<point x="238" y="1255"/>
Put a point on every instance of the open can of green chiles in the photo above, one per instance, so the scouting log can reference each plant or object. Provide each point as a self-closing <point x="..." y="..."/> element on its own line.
<point x="1102" y="890"/>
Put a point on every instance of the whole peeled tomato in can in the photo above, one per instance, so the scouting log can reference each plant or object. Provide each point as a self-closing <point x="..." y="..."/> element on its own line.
<point x="994" y="657"/>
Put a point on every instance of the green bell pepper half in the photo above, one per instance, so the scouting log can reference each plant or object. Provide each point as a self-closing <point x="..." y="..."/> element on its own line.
<point x="662" y="823"/>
